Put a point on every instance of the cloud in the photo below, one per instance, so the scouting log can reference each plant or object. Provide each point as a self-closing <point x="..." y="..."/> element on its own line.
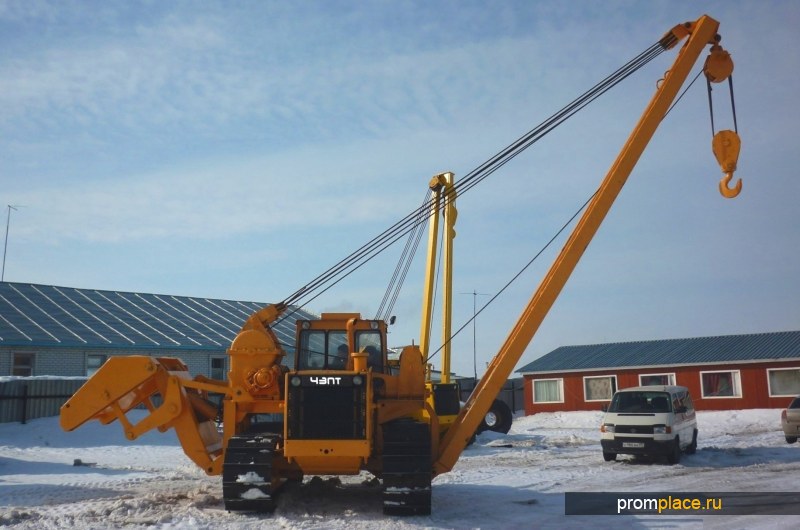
<point x="213" y="75"/>
<point x="222" y="199"/>
<point x="156" y="76"/>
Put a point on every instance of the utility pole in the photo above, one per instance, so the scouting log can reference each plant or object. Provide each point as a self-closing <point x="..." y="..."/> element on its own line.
<point x="475" y="295"/>
<point x="5" y="246"/>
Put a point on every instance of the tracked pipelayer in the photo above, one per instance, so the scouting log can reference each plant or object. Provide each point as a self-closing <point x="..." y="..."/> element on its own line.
<point x="344" y="406"/>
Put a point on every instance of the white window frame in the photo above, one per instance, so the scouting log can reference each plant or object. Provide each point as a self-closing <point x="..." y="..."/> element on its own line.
<point x="104" y="358"/>
<point x="670" y="378"/>
<point x="608" y="376"/>
<point x="737" y="384"/>
<point x="560" y="381"/>
<point x="769" y="382"/>
<point x="224" y="366"/>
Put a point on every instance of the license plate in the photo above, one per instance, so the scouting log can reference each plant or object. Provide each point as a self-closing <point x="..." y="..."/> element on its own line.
<point x="633" y="445"/>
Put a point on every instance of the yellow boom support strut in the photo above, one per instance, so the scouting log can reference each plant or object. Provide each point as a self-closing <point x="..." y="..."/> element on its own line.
<point x="443" y="204"/>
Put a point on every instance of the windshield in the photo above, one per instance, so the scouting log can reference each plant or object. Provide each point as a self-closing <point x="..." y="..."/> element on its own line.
<point x="640" y="402"/>
<point x="320" y="349"/>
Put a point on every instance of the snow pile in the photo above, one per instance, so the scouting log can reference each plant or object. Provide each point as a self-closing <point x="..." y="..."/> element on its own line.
<point x="516" y="480"/>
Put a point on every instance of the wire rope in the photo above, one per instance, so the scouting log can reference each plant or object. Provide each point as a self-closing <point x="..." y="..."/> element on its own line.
<point x="358" y="258"/>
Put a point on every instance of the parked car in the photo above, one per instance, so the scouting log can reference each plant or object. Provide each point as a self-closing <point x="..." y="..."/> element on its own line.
<point x="651" y="421"/>
<point x="790" y="421"/>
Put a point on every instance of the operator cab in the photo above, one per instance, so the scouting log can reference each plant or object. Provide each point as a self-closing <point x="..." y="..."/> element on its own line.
<point x="326" y="344"/>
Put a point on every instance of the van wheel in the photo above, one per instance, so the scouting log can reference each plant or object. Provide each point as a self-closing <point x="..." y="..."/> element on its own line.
<point x="675" y="455"/>
<point x="791" y="439"/>
<point x="609" y="457"/>
<point x="692" y="447"/>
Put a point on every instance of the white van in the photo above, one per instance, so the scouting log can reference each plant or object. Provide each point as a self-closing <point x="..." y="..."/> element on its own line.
<point x="649" y="420"/>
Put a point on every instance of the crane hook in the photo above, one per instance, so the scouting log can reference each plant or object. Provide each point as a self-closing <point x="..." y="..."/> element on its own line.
<point x="725" y="190"/>
<point x="725" y="146"/>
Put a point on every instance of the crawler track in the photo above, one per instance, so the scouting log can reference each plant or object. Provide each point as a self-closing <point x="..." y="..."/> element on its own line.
<point x="407" y="469"/>
<point x="247" y="483"/>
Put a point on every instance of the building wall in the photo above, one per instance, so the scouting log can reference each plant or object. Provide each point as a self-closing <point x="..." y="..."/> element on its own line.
<point x="72" y="361"/>
<point x="753" y="379"/>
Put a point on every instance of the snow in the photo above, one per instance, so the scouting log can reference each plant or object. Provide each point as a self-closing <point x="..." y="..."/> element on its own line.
<point x="250" y="478"/>
<point x="254" y="493"/>
<point x="7" y="378"/>
<point x="502" y="481"/>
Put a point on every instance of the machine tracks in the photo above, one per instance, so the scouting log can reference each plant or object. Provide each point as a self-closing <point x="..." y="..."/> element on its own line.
<point x="407" y="468"/>
<point x="247" y="483"/>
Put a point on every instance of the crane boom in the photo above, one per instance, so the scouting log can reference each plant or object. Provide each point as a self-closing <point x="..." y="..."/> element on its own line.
<point x="701" y="33"/>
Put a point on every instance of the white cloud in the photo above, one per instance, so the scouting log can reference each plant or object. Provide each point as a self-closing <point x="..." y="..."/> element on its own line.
<point x="197" y="76"/>
<point x="225" y="199"/>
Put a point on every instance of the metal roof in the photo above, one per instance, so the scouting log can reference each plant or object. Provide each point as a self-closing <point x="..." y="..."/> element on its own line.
<point x="46" y="315"/>
<point x="695" y="351"/>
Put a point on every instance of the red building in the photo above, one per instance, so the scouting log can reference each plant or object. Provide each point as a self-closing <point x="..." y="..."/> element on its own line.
<point x="722" y="373"/>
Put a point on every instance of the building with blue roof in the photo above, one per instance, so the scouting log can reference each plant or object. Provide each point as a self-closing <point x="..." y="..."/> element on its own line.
<point x="64" y="331"/>
<point x="729" y="372"/>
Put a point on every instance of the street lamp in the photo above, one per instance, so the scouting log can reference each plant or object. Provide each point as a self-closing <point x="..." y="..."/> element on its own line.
<point x="475" y="295"/>
<point x="5" y="246"/>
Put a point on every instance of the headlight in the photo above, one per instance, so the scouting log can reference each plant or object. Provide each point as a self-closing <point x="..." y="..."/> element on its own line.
<point x="607" y="427"/>
<point x="661" y="429"/>
<point x="373" y="325"/>
<point x="294" y="381"/>
<point x="357" y="380"/>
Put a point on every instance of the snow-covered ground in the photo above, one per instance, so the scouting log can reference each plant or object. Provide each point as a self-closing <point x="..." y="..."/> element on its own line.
<point x="512" y="481"/>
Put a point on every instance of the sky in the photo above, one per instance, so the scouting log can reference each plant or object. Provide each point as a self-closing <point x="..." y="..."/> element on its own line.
<point x="237" y="150"/>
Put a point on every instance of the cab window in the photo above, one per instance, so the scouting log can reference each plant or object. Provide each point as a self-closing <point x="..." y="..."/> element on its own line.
<point x="312" y="350"/>
<point x="323" y="350"/>
<point x="338" y="351"/>
<point x="370" y="342"/>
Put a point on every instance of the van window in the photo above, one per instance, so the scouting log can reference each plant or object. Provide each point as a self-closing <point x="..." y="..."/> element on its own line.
<point x="640" y="402"/>
<point x="687" y="402"/>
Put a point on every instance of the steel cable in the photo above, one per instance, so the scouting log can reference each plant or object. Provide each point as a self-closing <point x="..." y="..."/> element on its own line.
<point x="403" y="264"/>
<point x="388" y="237"/>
